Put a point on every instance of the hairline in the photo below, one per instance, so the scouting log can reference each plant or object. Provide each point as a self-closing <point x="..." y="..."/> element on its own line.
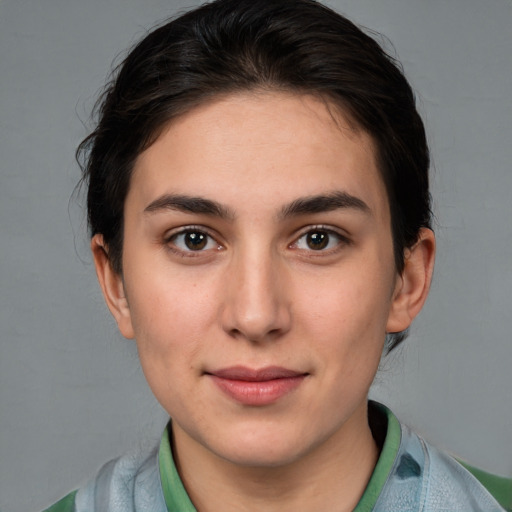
<point x="337" y="108"/>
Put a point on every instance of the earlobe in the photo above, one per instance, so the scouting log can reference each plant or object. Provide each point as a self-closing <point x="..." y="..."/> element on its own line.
<point x="413" y="284"/>
<point x="112" y="286"/>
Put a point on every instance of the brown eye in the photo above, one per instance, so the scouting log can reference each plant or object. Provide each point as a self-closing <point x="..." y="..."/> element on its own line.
<point x="193" y="240"/>
<point x="317" y="240"/>
<point x="320" y="240"/>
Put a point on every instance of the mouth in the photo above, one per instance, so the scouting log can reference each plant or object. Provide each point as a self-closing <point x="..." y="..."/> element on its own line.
<point x="256" y="387"/>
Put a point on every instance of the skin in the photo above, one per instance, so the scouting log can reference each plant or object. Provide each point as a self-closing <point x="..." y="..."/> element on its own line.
<point x="259" y="293"/>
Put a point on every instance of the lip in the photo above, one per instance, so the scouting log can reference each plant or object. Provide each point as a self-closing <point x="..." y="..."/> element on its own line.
<point x="256" y="387"/>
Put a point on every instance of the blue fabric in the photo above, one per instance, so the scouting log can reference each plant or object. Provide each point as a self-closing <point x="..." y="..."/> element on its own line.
<point x="421" y="479"/>
<point x="128" y="484"/>
<point x="425" y="479"/>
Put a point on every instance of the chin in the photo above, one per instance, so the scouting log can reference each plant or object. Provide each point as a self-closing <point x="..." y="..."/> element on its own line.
<point x="261" y="456"/>
<point x="263" y="448"/>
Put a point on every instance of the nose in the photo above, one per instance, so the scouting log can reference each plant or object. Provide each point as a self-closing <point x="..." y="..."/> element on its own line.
<point x="256" y="307"/>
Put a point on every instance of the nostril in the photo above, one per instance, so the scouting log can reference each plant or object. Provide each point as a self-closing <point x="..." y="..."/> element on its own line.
<point x="235" y="333"/>
<point x="256" y="336"/>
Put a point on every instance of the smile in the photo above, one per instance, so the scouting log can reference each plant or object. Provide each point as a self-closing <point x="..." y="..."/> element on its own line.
<point x="256" y="387"/>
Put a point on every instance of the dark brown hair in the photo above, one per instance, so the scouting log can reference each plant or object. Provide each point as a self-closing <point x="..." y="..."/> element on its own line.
<point x="228" y="46"/>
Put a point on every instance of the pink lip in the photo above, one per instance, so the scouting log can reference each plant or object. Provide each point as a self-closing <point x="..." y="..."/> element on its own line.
<point x="256" y="387"/>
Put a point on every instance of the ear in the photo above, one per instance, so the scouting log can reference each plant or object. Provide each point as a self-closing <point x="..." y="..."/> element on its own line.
<point x="413" y="284"/>
<point x="112" y="286"/>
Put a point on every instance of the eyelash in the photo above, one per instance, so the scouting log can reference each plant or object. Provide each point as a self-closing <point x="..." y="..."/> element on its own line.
<point x="342" y="240"/>
<point x="170" y="241"/>
<point x="329" y="233"/>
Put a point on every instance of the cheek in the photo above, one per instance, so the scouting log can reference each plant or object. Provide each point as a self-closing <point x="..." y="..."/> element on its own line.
<point x="347" y="315"/>
<point x="169" y="327"/>
<point x="170" y="314"/>
<point x="354" y="300"/>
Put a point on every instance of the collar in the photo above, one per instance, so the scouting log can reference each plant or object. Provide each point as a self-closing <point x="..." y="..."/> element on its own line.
<point x="385" y="429"/>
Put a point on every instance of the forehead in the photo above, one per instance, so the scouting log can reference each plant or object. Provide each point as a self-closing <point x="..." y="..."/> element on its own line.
<point x="260" y="150"/>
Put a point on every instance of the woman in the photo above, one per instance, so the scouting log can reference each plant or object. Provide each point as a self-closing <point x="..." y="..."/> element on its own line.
<point x="260" y="216"/>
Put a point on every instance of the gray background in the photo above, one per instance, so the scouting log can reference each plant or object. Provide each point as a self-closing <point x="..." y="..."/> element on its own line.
<point x="71" y="391"/>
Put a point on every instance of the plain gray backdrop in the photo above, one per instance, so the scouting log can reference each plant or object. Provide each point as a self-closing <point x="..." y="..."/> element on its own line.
<point x="72" y="394"/>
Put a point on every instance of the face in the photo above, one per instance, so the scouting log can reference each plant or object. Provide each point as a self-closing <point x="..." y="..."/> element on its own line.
<point x="258" y="275"/>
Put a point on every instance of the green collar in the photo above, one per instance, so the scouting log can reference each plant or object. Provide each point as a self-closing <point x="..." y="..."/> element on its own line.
<point x="175" y="495"/>
<point x="177" y="500"/>
<point x="392" y="431"/>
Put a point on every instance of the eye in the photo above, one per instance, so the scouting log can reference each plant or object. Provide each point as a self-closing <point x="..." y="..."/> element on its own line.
<point x="193" y="240"/>
<point x="319" y="240"/>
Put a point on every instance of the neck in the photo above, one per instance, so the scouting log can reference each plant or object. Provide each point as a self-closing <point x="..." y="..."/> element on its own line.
<point x="335" y="472"/>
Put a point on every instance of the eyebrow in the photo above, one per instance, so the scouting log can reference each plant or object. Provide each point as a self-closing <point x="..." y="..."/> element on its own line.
<point x="324" y="203"/>
<point x="189" y="204"/>
<point x="300" y="206"/>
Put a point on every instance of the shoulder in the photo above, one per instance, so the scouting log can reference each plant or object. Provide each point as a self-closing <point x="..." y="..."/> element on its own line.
<point x="449" y="477"/>
<point x="449" y="482"/>
<point x="130" y="483"/>
<point x="425" y="478"/>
